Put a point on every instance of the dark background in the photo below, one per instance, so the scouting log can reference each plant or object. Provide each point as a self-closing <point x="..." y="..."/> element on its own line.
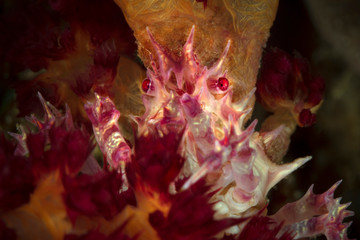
<point x="327" y="33"/>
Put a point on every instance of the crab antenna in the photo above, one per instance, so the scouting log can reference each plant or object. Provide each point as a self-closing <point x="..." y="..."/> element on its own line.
<point x="165" y="62"/>
<point x="188" y="47"/>
<point x="216" y="68"/>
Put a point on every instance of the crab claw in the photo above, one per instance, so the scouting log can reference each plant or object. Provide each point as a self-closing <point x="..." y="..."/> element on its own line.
<point x="316" y="214"/>
<point x="104" y="118"/>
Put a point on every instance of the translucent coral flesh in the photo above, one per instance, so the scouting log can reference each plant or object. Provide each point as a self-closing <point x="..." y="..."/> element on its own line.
<point x="196" y="169"/>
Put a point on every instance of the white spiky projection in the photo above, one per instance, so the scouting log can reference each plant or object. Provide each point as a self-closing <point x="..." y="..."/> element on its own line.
<point x="183" y="95"/>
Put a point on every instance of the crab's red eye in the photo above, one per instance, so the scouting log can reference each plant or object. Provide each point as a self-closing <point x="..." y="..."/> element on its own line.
<point x="146" y="85"/>
<point x="223" y="83"/>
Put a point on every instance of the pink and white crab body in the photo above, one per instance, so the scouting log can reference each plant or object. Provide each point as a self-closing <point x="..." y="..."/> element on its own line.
<point x="181" y="95"/>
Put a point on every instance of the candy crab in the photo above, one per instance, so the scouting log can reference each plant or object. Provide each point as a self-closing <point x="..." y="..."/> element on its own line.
<point x="184" y="97"/>
<point x="195" y="167"/>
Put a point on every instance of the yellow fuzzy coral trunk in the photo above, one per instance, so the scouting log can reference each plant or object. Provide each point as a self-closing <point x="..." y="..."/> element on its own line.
<point x="245" y="23"/>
